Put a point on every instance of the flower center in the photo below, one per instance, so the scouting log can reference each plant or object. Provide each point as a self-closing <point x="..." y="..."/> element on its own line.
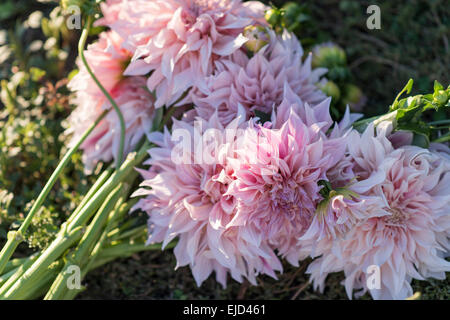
<point x="398" y="218"/>
<point x="285" y="197"/>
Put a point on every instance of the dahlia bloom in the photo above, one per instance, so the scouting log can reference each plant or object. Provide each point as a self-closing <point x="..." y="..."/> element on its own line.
<point x="259" y="83"/>
<point x="107" y="60"/>
<point x="187" y="200"/>
<point x="275" y="182"/>
<point x="178" y="41"/>
<point x="136" y="105"/>
<point x="407" y="235"/>
<point x="258" y="196"/>
<point x="343" y="206"/>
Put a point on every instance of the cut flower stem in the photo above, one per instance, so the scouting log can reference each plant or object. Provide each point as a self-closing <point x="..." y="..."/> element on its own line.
<point x="16" y="237"/>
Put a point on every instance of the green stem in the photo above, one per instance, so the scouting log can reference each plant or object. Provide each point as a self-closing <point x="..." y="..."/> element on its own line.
<point x="112" y="222"/>
<point x="94" y="237"/>
<point x="98" y="183"/>
<point x="7" y="275"/>
<point x="15" y="263"/>
<point x="127" y="249"/>
<point x="444" y="138"/>
<point x="59" y="287"/>
<point x="16" y="237"/>
<point x="81" y="45"/>
<point x="95" y="228"/>
<point x="94" y="203"/>
<point x="132" y="234"/>
<point x="44" y="283"/>
<point x="32" y="275"/>
<point x="435" y="123"/>
<point x="19" y="272"/>
<point x="112" y="253"/>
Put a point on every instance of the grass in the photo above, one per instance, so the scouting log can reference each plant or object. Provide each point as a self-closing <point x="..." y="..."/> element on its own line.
<point x="413" y="43"/>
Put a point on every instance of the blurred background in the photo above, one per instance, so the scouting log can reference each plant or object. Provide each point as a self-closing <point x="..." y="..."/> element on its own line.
<point x="37" y="58"/>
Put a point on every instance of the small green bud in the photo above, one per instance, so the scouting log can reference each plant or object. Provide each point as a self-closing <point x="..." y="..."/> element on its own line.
<point x="294" y="16"/>
<point x="329" y="56"/>
<point x="292" y="10"/>
<point x="258" y="38"/>
<point x="353" y="97"/>
<point x="440" y="97"/>
<point x="331" y="90"/>
<point x="274" y="16"/>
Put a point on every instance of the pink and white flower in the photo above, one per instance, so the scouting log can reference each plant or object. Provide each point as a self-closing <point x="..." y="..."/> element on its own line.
<point x="107" y="60"/>
<point x="188" y="200"/>
<point x="179" y="41"/>
<point x="136" y="105"/>
<point x="259" y="83"/>
<point x="407" y="236"/>
<point x="257" y="198"/>
<point x="275" y="181"/>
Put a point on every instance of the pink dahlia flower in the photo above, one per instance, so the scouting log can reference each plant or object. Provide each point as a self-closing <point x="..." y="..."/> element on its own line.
<point x="258" y="196"/>
<point x="275" y="182"/>
<point x="136" y="105"/>
<point x="179" y="40"/>
<point x="107" y="60"/>
<point x="188" y="200"/>
<point x="343" y="206"/>
<point x="259" y="83"/>
<point x="406" y="237"/>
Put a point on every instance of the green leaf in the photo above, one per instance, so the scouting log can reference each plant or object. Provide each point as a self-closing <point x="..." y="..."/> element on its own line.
<point x="407" y="88"/>
<point x="437" y="86"/>
<point x="421" y="140"/>
<point x="325" y="191"/>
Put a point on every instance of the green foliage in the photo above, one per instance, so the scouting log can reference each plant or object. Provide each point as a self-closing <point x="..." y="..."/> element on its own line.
<point x="333" y="58"/>
<point x="5" y="203"/>
<point x="413" y="42"/>
<point x="34" y="101"/>
<point x="43" y="229"/>
<point x="10" y="8"/>
<point x="412" y="114"/>
<point x="292" y="16"/>
<point x="298" y="18"/>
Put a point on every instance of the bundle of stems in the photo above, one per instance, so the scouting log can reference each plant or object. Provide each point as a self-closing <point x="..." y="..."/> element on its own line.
<point x="97" y="231"/>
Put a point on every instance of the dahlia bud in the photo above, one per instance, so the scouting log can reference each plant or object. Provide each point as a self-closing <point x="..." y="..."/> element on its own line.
<point x="274" y="17"/>
<point x="294" y="16"/>
<point x="353" y="97"/>
<point x="440" y="97"/>
<point x="331" y="90"/>
<point x="416" y="100"/>
<point x="328" y="55"/>
<point x="257" y="36"/>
